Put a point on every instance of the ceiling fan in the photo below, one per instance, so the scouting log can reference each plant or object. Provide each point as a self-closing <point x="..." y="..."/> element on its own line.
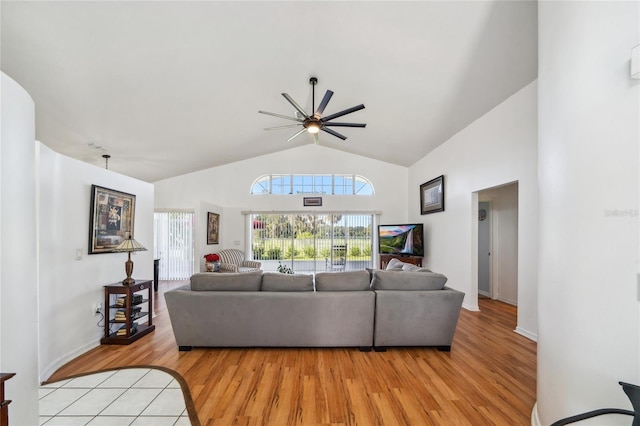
<point x="315" y="122"/>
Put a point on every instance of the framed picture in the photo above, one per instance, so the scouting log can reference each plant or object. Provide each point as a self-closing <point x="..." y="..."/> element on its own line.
<point x="312" y="201"/>
<point x="213" y="226"/>
<point x="112" y="217"/>
<point x="432" y="196"/>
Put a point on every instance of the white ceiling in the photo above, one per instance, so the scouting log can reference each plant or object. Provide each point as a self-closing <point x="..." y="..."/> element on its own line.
<point x="171" y="87"/>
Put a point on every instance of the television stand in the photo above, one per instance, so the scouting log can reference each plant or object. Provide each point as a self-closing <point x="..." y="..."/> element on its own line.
<point x="385" y="258"/>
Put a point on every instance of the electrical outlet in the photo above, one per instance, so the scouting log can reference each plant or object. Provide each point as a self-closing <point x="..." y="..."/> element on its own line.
<point x="97" y="308"/>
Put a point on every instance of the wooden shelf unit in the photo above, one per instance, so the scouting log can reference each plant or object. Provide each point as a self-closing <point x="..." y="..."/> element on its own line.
<point x="111" y="293"/>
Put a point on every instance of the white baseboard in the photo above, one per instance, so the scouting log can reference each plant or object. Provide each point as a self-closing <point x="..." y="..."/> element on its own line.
<point x="473" y="308"/>
<point x="484" y="293"/>
<point x="509" y="302"/>
<point x="529" y="335"/>
<point x="53" y="367"/>
<point x="535" y="420"/>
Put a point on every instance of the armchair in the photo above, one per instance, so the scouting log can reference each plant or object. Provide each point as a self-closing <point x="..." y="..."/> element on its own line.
<point x="232" y="260"/>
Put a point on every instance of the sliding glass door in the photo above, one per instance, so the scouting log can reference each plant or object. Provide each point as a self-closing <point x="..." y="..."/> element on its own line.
<point x="309" y="243"/>
<point x="174" y="244"/>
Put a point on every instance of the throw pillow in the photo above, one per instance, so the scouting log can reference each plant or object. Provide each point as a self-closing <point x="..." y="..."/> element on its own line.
<point x="394" y="264"/>
<point x="410" y="267"/>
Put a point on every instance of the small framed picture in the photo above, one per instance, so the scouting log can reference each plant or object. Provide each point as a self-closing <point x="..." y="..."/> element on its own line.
<point x="213" y="225"/>
<point x="312" y="201"/>
<point x="432" y="196"/>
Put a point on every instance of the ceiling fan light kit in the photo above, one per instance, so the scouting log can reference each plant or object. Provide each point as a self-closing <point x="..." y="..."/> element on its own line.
<point x="315" y="122"/>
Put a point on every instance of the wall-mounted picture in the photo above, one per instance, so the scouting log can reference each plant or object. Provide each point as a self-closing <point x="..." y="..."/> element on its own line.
<point x="312" y="201"/>
<point x="213" y="227"/>
<point x="432" y="196"/>
<point x="112" y="217"/>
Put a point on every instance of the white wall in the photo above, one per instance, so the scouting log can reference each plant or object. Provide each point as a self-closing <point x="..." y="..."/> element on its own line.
<point x="18" y="252"/>
<point x="589" y="112"/>
<point x="228" y="186"/>
<point x="69" y="288"/>
<point x="499" y="148"/>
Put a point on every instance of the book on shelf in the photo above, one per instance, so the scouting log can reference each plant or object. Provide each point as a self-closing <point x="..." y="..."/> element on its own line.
<point x="122" y="331"/>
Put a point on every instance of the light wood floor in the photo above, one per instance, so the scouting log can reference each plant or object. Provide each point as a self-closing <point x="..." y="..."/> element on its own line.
<point x="488" y="378"/>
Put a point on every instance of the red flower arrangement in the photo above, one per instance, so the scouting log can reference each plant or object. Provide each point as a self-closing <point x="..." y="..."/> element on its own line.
<point x="211" y="257"/>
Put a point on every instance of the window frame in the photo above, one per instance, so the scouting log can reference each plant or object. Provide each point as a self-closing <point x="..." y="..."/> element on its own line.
<point x="312" y="184"/>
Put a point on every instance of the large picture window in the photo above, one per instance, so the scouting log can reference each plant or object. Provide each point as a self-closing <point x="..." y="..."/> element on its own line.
<point x="309" y="243"/>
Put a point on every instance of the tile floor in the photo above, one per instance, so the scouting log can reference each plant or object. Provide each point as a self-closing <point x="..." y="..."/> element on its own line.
<point x="130" y="396"/>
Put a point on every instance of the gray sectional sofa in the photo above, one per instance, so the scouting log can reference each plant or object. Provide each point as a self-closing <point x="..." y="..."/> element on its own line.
<point x="362" y="309"/>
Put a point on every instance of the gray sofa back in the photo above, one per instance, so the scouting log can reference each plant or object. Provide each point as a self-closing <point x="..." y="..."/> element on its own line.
<point x="355" y="308"/>
<point x="271" y="318"/>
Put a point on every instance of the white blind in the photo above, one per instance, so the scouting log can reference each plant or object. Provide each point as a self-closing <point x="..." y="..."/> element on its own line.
<point x="315" y="242"/>
<point x="174" y="244"/>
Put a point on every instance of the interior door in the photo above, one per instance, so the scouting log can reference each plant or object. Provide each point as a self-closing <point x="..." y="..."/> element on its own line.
<point x="484" y="249"/>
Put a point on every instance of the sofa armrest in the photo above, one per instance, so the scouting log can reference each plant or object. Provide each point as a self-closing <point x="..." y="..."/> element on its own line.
<point x="251" y="264"/>
<point x="228" y="267"/>
<point x="416" y="318"/>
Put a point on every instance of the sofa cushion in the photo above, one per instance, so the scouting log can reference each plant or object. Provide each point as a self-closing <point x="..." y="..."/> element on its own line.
<point x="275" y="281"/>
<point x="392" y="280"/>
<point x="232" y="281"/>
<point x="343" y="281"/>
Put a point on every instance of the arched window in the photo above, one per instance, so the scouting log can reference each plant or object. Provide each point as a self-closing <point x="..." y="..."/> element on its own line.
<point x="312" y="184"/>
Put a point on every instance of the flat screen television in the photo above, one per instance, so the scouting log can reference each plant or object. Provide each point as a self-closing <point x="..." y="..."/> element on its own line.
<point x="401" y="240"/>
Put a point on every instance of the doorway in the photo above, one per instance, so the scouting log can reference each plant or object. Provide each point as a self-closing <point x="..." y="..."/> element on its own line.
<point x="497" y="234"/>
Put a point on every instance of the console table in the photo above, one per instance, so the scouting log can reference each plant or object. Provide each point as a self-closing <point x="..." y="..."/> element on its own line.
<point x="127" y="310"/>
<point x="385" y="258"/>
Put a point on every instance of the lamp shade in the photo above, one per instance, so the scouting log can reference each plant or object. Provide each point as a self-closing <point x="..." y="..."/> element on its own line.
<point x="129" y="245"/>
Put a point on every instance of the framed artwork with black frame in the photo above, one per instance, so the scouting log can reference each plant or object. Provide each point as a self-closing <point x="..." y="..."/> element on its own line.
<point x="213" y="227"/>
<point x="112" y="219"/>
<point x="432" y="196"/>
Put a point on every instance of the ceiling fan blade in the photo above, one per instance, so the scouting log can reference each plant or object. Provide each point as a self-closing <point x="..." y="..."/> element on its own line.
<point x="288" y="126"/>
<point x="343" y="112"/>
<point x="323" y="103"/>
<point x="296" y="135"/>
<point x="295" y="105"/>
<point x="334" y="133"/>
<point x="345" y="124"/>
<point x="316" y="139"/>
<point x="299" y="120"/>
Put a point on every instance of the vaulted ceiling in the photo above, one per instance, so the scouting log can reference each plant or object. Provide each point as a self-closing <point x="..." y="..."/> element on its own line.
<point x="171" y="87"/>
